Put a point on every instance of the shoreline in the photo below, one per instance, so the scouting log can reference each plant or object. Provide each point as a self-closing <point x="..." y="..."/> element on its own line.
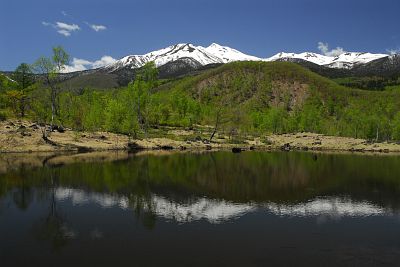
<point x="10" y="161"/>
<point x="26" y="137"/>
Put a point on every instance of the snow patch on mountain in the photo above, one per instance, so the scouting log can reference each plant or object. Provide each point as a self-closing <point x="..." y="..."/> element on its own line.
<point x="349" y="60"/>
<point x="228" y="54"/>
<point x="204" y="55"/>
<point x="308" y="56"/>
<point x="217" y="54"/>
<point x="346" y="60"/>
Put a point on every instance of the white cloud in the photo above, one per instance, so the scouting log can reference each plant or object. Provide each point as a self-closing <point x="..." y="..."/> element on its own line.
<point x="79" y="64"/>
<point x="393" y="52"/>
<point x="67" y="27"/>
<point x="104" y="61"/>
<point x="64" y="32"/>
<point x="324" y="48"/>
<point x="63" y="28"/>
<point x="96" y="28"/>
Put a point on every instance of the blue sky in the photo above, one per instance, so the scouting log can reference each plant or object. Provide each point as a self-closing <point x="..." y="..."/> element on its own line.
<point x="257" y="27"/>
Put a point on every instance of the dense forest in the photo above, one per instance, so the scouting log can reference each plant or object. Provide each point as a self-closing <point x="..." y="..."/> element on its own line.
<point x="237" y="99"/>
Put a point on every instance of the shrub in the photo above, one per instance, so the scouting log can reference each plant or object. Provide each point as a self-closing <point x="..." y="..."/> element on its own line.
<point x="3" y="116"/>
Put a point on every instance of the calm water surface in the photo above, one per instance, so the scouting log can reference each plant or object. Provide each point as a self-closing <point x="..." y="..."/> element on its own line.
<point x="209" y="209"/>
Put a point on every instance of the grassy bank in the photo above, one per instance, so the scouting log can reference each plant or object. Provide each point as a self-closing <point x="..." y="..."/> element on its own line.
<point x="26" y="136"/>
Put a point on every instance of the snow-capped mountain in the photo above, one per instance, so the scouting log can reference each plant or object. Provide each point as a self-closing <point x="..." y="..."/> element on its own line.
<point x="195" y="56"/>
<point x="229" y="54"/>
<point x="349" y="60"/>
<point x="212" y="54"/>
<point x="307" y="56"/>
<point x="187" y="59"/>
<point x="344" y="61"/>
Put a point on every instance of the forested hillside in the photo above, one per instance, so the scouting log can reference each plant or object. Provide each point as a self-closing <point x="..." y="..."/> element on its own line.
<point x="243" y="98"/>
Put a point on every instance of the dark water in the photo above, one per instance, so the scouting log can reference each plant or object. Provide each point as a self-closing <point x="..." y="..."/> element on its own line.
<point x="212" y="209"/>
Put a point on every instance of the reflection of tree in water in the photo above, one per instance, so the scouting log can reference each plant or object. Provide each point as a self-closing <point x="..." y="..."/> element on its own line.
<point x="287" y="178"/>
<point x="144" y="209"/>
<point x="18" y="184"/>
<point x="53" y="227"/>
<point x="141" y="202"/>
<point x="23" y="195"/>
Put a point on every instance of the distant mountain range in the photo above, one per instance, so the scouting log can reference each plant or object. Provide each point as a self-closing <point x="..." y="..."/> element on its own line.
<point x="217" y="54"/>
<point x="181" y="59"/>
<point x="187" y="59"/>
<point x="343" y="61"/>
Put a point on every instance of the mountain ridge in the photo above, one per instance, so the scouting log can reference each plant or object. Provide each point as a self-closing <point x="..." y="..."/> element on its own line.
<point x="213" y="54"/>
<point x="187" y="59"/>
<point x="218" y="54"/>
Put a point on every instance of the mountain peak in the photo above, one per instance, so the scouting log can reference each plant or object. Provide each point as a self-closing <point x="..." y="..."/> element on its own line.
<point x="346" y="60"/>
<point x="216" y="53"/>
<point x="212" y="54"/>
<point x="214" y="45"/>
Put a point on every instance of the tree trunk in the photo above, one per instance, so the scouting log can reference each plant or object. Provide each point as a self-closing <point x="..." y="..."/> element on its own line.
<point x="139" y="116"/>
<point x="216" y="125"/>
<point x="22" y="107"/>
<point x="212" y="135"/>
<point x="52" y="115"/>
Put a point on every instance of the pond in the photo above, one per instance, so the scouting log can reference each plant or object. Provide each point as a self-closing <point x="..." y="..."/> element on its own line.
<point x="202" y="209"/>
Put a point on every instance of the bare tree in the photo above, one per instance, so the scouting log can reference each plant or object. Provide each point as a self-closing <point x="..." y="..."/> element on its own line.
<point x="218" y="115"/>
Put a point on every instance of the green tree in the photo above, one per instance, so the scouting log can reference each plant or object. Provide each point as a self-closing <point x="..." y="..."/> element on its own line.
<point x="275" y="119"/>
<point x="50" y="69"/>
<point x="14" y="97"/>
<point x="145" y="80"/>
<point x="115" y="116"/>
<point x="356" y="120"/>
<point x="23" y="76"/>
<point x="94" y="116"/>
<point x="396" y="127"/>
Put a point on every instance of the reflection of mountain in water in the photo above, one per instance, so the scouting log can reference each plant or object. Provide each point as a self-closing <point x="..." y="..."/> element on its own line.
<point x="218" y="211"/>
<point x="211" y="210"/>
<point x="221" y="186"/>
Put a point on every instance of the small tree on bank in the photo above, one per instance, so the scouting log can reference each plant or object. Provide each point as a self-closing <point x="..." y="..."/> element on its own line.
<point x="145" y="80"/>
<point x="23" y="76"/>
<point x="49" y="69"/>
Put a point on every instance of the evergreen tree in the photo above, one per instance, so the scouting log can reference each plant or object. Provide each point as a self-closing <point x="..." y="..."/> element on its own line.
<point x="24" y="77"/>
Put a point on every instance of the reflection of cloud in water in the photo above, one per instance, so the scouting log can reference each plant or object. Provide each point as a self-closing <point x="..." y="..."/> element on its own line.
<point x="80" y="197"/>
<point x="216" y="211"/>
<point x="211" y="210"/>
<point x="334" y="207"/>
